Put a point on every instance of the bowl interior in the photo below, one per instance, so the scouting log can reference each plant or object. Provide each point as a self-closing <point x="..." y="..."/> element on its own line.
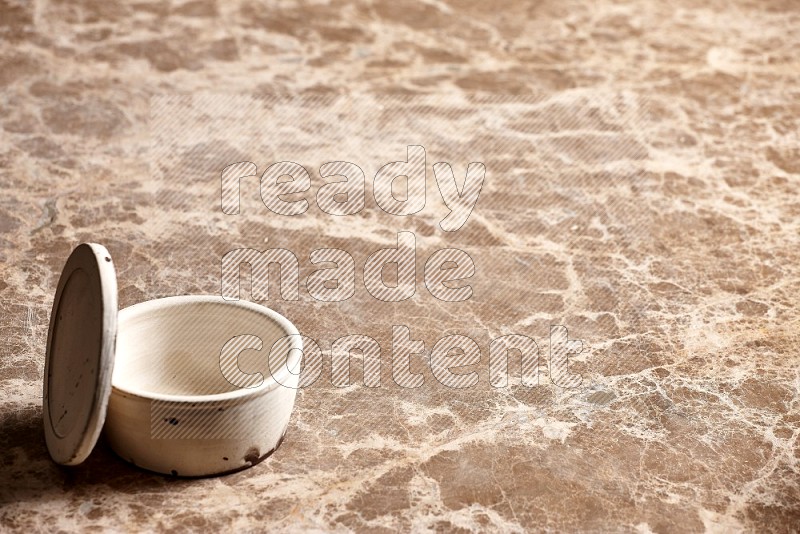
<point x="174" y="346"/>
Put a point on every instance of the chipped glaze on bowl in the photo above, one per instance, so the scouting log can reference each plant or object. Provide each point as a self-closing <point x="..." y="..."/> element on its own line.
<point x="171" y="408"/>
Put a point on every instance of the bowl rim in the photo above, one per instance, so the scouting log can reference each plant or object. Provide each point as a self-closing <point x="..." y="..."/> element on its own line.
<point x="266" y="386"/>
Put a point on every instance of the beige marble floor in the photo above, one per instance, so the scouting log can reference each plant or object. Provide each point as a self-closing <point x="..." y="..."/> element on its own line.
<point x="642" y="169"/>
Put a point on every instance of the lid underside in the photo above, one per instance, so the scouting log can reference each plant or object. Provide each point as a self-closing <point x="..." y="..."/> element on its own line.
<point x="80" y="354"/>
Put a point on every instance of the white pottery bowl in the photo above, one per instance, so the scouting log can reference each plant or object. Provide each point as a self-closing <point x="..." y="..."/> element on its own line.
<point x="172" y="410"/>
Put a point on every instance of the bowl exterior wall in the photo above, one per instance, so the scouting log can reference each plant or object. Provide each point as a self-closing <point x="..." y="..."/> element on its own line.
<point x="198" y="439"/>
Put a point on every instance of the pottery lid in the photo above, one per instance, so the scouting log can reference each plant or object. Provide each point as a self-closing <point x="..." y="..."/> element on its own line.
<point x="80" y="354"/>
